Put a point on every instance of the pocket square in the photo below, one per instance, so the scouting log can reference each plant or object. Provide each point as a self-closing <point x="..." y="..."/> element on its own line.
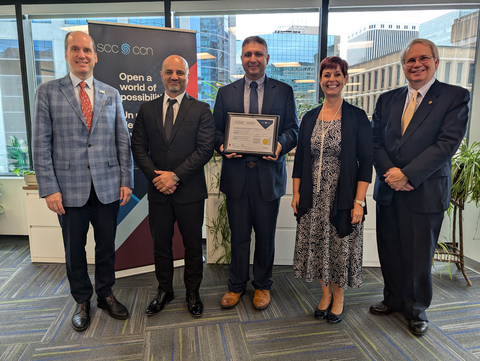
<point x="109" y="101"/>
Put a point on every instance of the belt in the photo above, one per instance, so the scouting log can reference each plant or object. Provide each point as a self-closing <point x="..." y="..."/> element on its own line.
<point x="252" y="164"/>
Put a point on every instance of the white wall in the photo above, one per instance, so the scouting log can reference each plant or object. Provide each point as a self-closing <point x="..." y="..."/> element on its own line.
<point x="14" y="220"/>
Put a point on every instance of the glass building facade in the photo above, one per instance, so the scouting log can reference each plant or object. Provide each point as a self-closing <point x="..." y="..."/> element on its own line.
<point x="439" y="30"/>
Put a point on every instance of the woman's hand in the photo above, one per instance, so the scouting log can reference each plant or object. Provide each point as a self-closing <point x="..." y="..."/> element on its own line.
<point x="357" y="213"/>
<point x="295" y="200"/>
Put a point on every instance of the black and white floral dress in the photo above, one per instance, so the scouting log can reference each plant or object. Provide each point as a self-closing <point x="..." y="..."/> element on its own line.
<point x="319" y="252"/>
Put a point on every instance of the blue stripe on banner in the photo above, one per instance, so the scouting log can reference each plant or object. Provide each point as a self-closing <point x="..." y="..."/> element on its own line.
<point x="125" y="210"/>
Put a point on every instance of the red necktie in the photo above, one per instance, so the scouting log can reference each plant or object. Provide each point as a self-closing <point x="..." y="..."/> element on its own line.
<point x="86" y="105"/>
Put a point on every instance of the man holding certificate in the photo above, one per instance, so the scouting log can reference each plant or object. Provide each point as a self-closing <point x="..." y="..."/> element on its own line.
<point x="253" y="182"/>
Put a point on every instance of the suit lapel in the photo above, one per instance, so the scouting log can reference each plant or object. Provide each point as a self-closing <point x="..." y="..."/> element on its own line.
<point x="100" y="97"/>
<point x="237" y="95"/>
<point x="428" y="103"/>
<point x="182" y="112"/>
<point x="67" y="89"/>
<point x="158" y="111"/>
<point x="396" y="111"/>
<point x="268" y="96"/>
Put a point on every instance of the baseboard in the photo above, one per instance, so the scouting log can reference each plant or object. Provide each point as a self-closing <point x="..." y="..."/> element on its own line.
<point x="472" y="264"/>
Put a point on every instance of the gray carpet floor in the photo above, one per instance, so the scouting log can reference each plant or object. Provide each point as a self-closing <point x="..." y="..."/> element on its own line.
<point x="36" y="309"/>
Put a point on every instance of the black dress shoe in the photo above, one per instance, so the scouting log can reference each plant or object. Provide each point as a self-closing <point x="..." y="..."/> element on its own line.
<point x="114" y="308"/>
<point x="81" y="317"/>
<point x="333" y="318"/>
<point x="321" y="314"/>
<point x="195" y="304"/>
<point x="158" y="303"/>
<point x="380" y="309"/>
<point x="418" y="327"/>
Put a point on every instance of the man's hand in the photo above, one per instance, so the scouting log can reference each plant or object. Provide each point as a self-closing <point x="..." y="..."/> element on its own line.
<point x="277" y="153"/>
<point x="125" y="194"/>
<point x="407" y="188"/>
<point x="395" y="178"/>
<point x="54" y="203"/>
<point x="230" y="155"/>
<point x="165" y="182"/>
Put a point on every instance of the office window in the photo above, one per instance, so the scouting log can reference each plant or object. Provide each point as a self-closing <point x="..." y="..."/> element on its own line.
<point x="459" y="72"/>
<point x="368" y="106"/>
<point x="363" y="82"/>
<point x="398" y="26"/>
<point x="358" y="83"/>
<point x="221" y="37"/>
<point x="13" y="134"/>
<point x="447" y="72"/>
<point x="390" y="75"/>
<point x="374" y="103"/>
<point x="382" y="85"/>
<point x="389" y="26"/>
<point x="375" y="81"/>
<point x="471" y="73"/>
<point x="369" y="80"/>
<point x="398" y="75"/>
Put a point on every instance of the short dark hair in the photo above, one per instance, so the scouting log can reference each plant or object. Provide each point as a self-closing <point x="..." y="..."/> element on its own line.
<point x="77" y="31"/>
<point x="331" y="63"/>
<point x="255" y="39"/>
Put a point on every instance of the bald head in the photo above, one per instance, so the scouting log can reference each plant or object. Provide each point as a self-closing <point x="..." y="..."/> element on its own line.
<point x="174" y="75"/>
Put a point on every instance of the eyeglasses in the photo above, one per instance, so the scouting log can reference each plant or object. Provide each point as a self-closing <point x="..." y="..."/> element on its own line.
<point x="422" y="59"/>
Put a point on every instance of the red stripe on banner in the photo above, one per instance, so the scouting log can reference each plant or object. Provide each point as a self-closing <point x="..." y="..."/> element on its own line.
<point x="128" y="255"/>
<point x="192" y="86"/>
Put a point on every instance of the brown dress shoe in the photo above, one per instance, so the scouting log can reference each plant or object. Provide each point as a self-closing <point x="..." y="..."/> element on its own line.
<point x="230" y="299"/>
<point x="261" y="300"/>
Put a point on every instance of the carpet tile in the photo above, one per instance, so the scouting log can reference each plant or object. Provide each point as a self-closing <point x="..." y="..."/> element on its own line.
<point x="36" y="310"/>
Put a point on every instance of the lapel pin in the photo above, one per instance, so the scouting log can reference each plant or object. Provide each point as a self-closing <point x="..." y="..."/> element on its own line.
<point x="103" y="92"/>
<point x="430" y="102"/>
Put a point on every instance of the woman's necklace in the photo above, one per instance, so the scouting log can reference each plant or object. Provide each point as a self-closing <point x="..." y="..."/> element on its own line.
<point x="322" y="136"/>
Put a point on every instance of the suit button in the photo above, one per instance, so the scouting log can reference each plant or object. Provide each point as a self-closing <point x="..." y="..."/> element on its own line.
<point x="89" y="145"/>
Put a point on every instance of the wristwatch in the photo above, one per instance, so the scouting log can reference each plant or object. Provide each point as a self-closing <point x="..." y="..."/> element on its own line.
<point x="359" y="202"/>
<point x="175" y="177"/>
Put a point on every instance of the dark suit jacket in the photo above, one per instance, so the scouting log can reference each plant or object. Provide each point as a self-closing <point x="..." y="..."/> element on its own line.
<point x="278" y="100"/>
<point x="425" y="150"/>
<point x="190" y="147"/>
<point x="355" y="163"/>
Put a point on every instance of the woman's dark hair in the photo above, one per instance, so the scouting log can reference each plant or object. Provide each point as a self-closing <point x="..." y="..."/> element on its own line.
<point x="331" y="63"/>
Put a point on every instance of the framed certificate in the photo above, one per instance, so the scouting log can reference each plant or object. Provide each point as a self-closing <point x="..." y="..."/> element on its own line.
<point x="251" y="134"/>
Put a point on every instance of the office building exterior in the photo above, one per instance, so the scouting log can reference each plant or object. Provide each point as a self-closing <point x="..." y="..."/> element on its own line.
<point x="378" y="39"/>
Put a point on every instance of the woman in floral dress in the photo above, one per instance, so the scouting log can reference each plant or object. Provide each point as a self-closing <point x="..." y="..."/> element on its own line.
<point x="332" y="171"/>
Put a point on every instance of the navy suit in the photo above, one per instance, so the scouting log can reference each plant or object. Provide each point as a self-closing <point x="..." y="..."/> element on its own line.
<point x="253" y="194"/>
<point x="409" y="222"/>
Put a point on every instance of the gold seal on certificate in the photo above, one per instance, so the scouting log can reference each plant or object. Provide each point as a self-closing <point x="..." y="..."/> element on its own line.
<point x="251" y="134"/>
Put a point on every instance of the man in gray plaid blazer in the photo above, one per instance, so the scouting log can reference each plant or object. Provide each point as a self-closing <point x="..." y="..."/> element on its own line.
<point x="84" y="166"/>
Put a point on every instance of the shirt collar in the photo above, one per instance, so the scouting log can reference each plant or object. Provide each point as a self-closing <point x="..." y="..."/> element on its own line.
<point x="179" y="98"/>
<point x="423" y="90"/>
<point x="76" y="80"/>
<point x="259" y="81"/>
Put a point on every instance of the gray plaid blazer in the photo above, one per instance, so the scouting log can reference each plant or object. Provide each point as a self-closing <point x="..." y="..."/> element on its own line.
<point x="67" y="157"/>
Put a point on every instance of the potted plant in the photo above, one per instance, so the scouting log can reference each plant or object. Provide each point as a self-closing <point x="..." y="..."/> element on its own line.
<point x="465" y="189"/>
<point x="28" y="176"/>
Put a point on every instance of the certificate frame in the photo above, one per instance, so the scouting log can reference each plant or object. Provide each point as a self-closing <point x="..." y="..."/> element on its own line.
<point x="251" y="134"/>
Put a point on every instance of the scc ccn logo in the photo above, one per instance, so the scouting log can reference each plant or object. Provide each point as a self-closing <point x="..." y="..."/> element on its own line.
<point x="125" y="49"/>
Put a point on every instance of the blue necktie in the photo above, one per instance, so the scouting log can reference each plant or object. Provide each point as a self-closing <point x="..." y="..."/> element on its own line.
<point x="253" y="98"/>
